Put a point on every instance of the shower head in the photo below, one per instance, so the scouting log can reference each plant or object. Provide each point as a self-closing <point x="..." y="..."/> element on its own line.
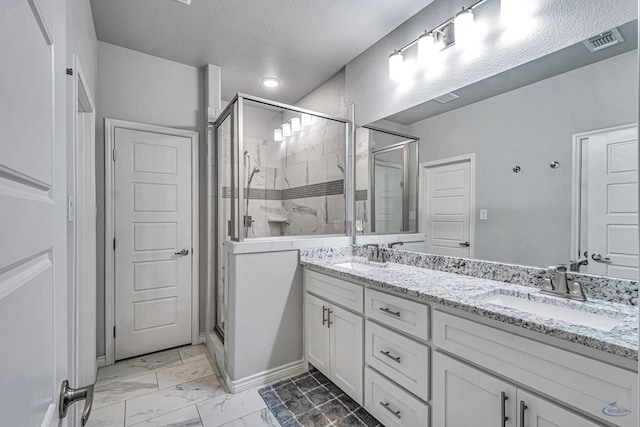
<point x="256" y="169"/>
<point x="253" y="172"/>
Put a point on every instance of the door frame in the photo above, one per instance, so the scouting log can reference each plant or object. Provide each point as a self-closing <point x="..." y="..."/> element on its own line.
<point x="578" y="140"/>
<point x="422" y="179"/>
<point x="110" y="125"/>
<point x="81" y="101"/>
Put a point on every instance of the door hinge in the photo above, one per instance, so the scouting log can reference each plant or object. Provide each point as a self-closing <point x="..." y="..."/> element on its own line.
<point x="114" y="243"/>
<point x="114" y="331"/>
<point x="70" y="71"/>
<point x="114" y="154"/>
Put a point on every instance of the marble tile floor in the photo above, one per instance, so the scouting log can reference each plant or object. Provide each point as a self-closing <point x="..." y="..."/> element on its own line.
<point x="177" y="388"/>
<point x="311" y="400"/>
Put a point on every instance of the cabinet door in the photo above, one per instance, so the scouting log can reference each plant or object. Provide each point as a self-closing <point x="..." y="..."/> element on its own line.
<point x="346" y="352"/>
<point x="316" y="333"/>
<point x="464" y="396"/>
<point x="542" y="413"/>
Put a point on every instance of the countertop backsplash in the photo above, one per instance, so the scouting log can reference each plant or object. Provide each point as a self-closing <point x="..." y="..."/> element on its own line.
<point x="597" y="287"/>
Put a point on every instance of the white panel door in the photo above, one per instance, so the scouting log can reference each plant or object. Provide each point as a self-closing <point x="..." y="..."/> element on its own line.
<point x="464" y="396"/>
<point x="316" y="333"/>
<point x="388" y="196"/>
<point x="152" y="227"/>
<point x="448" y="209"/>
<point x="346" y="351"/>
<point x="612" y="216"/>
<point x="542" y="413"/>
<point x="34" y="337"/>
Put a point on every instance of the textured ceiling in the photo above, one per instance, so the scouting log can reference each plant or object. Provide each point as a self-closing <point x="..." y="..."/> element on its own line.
<point x="301" y="42"/>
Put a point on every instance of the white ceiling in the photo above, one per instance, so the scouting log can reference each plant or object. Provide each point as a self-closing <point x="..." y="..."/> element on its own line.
<point x="301" y="42"/>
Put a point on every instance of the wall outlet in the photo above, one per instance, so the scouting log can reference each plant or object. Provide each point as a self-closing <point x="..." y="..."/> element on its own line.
<point x="483" y="214"/>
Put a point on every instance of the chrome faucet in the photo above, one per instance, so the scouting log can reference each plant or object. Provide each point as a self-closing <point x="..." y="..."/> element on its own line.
<point x="374" y="254"/>
<point x="555" y="283"/>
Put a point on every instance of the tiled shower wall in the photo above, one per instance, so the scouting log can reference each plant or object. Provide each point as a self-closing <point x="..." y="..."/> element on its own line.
<point x="300" y="187"/>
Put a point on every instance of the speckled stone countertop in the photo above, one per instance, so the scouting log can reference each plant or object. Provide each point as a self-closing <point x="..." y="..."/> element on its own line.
<point x="467" y="294"/>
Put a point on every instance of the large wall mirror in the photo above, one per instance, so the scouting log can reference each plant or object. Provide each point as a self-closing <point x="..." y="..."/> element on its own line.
<point x="538" y="165"/>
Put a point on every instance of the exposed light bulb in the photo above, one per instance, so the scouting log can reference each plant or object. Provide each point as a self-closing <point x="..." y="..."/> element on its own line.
<point x="306" y="119"/>
<point x="295" y="124"/>
<point x="277" y="135"/>
<point x="286" y="129"/>
<point x="463" y="27"/>
<point x="426" y="49"/>
<point x="396" y="66"/>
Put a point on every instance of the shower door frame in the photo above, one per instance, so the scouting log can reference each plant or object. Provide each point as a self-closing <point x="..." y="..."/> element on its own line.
<point x="235" y="111"/>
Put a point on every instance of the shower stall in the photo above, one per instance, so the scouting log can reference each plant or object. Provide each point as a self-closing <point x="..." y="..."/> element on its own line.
<point x="280" y="172"/>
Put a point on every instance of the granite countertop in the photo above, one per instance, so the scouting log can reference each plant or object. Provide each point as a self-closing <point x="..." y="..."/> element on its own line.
<point x="467" y="294"/>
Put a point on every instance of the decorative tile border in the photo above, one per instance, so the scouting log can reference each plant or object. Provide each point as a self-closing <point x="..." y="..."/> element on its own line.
<point x="330" y="188"/>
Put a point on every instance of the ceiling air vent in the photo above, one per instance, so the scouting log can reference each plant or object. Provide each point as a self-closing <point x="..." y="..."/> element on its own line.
<point x="604" y="40"/>
<point x="447" y="97"/>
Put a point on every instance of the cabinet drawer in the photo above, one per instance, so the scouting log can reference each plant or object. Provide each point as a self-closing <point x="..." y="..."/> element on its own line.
<point x="565" y="376"/>
<point x="341" y="292"/>
<point x="401" y="359"/>
<point x="408" y="316"/>
<point x="391" y="405"/>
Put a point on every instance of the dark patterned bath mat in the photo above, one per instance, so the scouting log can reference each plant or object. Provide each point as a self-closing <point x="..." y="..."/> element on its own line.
<point x="311" y="400"/>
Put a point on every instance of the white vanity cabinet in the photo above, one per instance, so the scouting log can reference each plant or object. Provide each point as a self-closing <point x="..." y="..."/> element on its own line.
<point x="600" y="390"/>
<point x="466" y="396"/>
<point x="333" y="334"/>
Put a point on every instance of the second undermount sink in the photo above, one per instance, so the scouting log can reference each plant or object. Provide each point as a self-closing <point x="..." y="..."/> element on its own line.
<point x="547" y="309"/>
<point x="357" y="266"/>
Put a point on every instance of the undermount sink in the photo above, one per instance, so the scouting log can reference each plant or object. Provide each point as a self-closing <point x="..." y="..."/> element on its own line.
<point x="356" y="266"/>
<point x="549" y="310"/>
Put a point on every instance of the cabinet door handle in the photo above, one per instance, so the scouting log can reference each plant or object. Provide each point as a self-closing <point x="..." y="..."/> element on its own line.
<point x="388" y="354"/>
<point x="523" y="408"/>
<point x="393" y="313"/>
<point x="503" y="409"/>
<point x="329" y="322"/>
<point x="324" y="309"/>
<point x="395" y="413"/>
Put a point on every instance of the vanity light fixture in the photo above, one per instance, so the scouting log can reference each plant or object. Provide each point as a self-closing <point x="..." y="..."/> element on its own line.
<point x="271" y="82"/>
<point x="295" y="124"/>
<point x="427" y="50"/>
<point x="286" y="129"/>
<point x="396" y="65"/>
<point x="277" y="135"/>
<point x="458" y="30"/>
<point x="463" y="24"/>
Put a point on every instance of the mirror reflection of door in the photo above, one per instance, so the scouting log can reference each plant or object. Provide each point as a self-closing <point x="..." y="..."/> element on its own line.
<point x="388" y="191"/>
<point x="447" y="205"/>
<point x="609" y="201"/>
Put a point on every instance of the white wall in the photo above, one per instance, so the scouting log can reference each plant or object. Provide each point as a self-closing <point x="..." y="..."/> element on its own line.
<point x="529" y="213"/>
<point x="82" y="41"/>
<point x="328" y="98"/>
<point x="559" y="23"/>
<point x="142" y="88"/>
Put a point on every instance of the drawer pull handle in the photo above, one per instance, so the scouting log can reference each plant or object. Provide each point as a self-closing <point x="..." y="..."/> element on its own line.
<point x="393" y="313"/>
<point x="324" y="309"/>
<point x="388" y="354"/>
<point x="329" y="322"/>
<point x="523" y="408"/>
<point x="395" y="413"/>
<point x="503" y="410"/>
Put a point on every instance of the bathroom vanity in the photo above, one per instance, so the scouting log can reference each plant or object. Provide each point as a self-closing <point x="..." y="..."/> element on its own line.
<point x="419" y="347"/>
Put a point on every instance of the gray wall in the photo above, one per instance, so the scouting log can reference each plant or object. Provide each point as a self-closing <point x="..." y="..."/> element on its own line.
<point x="529" y="213"/>
<point x="82" y="41"/>
<point x="328" y="98"/>
<point x="142" y="88"/>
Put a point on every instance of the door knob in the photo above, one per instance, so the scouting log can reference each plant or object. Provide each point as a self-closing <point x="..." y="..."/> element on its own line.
<point x="465" y="244"/>
<point x="600" y="258"/>
<point x="69" y="396"/>
<point x="182" y="252"/>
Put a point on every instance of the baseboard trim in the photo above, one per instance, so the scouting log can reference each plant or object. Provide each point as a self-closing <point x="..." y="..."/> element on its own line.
<point x="266" y="377"/>
<point x="101" y="361"/>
